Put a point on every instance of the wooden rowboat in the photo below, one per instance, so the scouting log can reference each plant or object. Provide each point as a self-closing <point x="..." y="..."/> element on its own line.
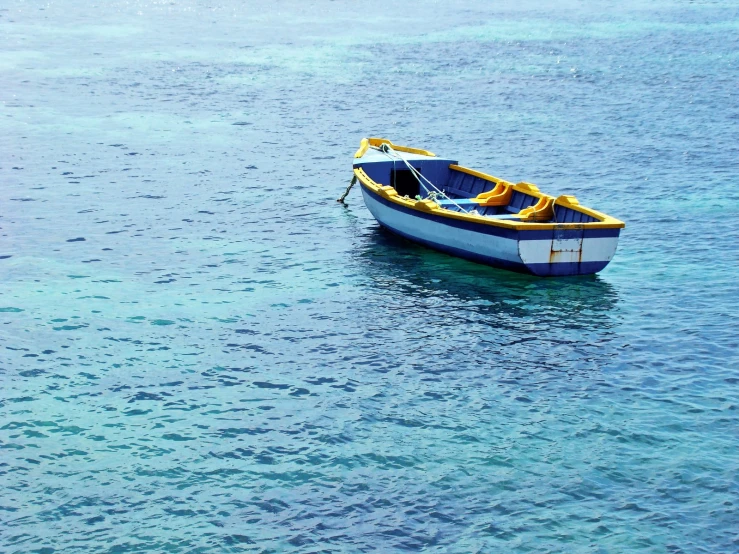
<point x="438" y="203"/>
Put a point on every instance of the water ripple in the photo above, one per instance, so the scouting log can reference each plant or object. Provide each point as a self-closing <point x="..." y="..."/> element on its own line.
<point x="203" y="352"/>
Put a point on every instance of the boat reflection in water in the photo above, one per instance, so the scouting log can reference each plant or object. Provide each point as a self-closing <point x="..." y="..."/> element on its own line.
<point x="429" y="295"/>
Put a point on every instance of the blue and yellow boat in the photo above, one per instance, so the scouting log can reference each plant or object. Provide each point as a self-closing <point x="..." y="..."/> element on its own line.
<point x="438" y="203"/>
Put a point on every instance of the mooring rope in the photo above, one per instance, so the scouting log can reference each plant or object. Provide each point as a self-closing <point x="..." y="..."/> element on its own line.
<point x="351" y="184"/>
<point x="387" y="149"/>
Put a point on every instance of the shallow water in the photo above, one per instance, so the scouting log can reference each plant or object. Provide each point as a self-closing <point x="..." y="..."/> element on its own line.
<point x="203" y="352"/>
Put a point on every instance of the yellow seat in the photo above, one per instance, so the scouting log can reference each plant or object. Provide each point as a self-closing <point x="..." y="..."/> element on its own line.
<point x="500" y="195"/>
<point x="543" y="210"/>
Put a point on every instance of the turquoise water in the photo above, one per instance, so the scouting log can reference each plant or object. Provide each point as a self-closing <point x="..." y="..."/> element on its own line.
<point x="203" y="352"/>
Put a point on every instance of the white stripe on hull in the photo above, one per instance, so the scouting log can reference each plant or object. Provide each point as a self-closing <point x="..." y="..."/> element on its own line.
<point x="431" y="231"/>
<point x="524" y="252"/>
<point x="599" y="249"/>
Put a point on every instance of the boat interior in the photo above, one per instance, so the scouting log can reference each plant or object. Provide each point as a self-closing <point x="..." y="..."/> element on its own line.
<point x="460" y="189"/>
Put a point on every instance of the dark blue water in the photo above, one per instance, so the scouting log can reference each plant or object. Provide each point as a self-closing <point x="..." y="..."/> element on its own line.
<point x="201" y="351"/>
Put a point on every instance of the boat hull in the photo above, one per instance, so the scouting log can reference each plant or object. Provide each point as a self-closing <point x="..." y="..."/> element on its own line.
<point x="545" y="252"/>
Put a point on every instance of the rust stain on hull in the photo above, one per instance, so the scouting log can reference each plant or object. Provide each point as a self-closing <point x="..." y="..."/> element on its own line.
<point x="562" y="256"/>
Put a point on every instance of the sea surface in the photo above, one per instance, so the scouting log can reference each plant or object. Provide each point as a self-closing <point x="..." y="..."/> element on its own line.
<point x="201" y="351"/>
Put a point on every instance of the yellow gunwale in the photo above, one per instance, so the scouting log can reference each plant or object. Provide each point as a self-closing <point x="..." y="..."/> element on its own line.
<point x="479" y="174"/>
<point x="389" y="193"/>
<point x="376" y="142"/>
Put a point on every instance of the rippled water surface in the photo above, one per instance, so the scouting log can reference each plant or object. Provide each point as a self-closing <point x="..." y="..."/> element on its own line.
<point x="201" y="351"/>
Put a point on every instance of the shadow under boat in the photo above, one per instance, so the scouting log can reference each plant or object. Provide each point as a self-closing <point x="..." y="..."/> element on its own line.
<point x="407" y="268"/>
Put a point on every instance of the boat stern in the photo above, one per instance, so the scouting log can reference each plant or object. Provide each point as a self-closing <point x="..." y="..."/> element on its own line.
<point x="569" y="251"/>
